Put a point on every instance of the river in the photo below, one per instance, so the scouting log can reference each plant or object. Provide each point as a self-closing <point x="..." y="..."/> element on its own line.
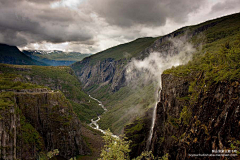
<point x="93" y="123"/>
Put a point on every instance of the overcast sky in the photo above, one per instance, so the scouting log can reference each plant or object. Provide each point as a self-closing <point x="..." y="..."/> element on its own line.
<point x="89" y="26"/>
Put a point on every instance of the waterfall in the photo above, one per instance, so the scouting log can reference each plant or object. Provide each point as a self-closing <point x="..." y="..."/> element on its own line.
<point x="149" y="140"/>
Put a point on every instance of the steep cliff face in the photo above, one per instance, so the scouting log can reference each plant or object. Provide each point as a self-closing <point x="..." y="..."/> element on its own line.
<point x="108" y="67"/>
<point x="9" y="127"/>
<point x="210" y="123"/>
<point x="38" y="120"/>
<point x="106" y="72"/>
<point x="57" y="78"/>
<point x="137" y="133"/>
<point x="106" y="79"/>
<point x="104" y="75"/>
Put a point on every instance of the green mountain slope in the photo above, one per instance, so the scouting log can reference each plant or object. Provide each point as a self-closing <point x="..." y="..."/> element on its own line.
<point x="57" y="78"/>
<point x="97" y="75"/>
<point x="12" y="55"/>
<point x="127" y="50"/>
<point x="104" y="75"/>
<point x="29" y="113"/>
<point x="201" y="100"/>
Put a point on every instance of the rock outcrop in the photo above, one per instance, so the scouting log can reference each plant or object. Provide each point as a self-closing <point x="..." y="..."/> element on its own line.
<point x="38" y="120"/>
<point x="136" y="132"/>
<point x="210" y="123"/>
<point x="107" y="72"/>
<point x="56" y="78"/>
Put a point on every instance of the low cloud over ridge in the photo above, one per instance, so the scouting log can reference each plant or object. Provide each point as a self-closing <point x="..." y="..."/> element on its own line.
<point x="93" y="25"/>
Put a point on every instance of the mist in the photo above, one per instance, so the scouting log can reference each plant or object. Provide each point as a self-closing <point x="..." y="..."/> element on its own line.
<point x="152" y="67"/>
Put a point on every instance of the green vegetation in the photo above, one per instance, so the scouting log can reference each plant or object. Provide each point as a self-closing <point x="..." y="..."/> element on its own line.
<point x="48" y="155"/>
<point x="185" y="115"/>
<point x="29" y="136"/>
<point x="216" y="60"/>
<point x="125" y="105"/>
<point x="127" y="50"/>
<point x="207" y="37"/>
<point x="121" y="52"/>
<point x="64" y="77"/>
<point x="56" y="78"/>
<point x="214" y="67"/>
<point x="9" y="81"/>
<point x="118" y="149"/>
<point x="135" y="131"/>
<point x="173" y="121"/>
<point x="115" y="148"/>
<point x="235" y="145"/>
<point x="211" y="68"/>
<point x="218" y="54"/>
<point x="165" y="157"/>
<point x="6" y="100"/>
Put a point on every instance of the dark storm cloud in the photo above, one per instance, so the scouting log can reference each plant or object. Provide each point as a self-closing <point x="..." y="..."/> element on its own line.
<point x="227" y="5"/>
<point x="101" y="23"/>
<point x="127" y="13"/>
<point x="22" y="22"/>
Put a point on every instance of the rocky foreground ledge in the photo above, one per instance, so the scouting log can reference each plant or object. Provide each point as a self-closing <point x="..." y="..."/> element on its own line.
<point x="35" y="121"/>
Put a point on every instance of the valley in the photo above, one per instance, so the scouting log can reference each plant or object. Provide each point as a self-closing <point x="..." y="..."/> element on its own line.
<point x="165" y="97"/>
<point x="104" y="75"/>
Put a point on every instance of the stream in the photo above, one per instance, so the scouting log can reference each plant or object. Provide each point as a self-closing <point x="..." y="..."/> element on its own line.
<point x="94" y="124"/>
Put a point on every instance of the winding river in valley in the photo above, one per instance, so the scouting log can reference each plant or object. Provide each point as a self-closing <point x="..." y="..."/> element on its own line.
<point x="93" y="123"/>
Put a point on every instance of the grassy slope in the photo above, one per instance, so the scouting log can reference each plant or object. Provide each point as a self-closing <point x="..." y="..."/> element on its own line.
<point x="219" y="42"/>
<point x="12" y="55"/>
<point x="55" y="77"/>
<point x="211" y="68"/>
<point x="216" y="32"/>
<point x="125" y="105"/>
<point x="120" y="103"/>
<point x="123" y="51"/>
<point x="216" y="61"/>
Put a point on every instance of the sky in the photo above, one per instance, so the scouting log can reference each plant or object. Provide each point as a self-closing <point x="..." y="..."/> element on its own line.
<point x="90" y="26"/>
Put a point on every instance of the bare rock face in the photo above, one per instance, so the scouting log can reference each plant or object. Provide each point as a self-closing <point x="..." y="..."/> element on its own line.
<point x="109" y="71"/>
<point x="9" y="127"/>
<point x="104" y="72"/>
<point x="211" y="123"/>
<point x="34" y="122"/>
<point x="137" y="133"/>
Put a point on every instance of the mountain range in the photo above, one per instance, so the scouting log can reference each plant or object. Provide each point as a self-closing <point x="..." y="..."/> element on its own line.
<point x="12" y="55"/>
<point x="173" y="95"/>
<point x="55" y="58"/>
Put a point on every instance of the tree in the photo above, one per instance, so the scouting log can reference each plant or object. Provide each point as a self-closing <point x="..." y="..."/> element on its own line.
<point x="115" y="148"/>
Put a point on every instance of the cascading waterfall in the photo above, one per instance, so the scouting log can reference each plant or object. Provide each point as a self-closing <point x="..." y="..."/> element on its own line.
<point x="154" y="118"/>
<point x="180" y="52"/>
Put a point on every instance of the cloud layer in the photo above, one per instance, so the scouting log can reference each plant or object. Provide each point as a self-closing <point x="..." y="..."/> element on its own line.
<point x="126" y="13"/>
<point x="94" y="25"/>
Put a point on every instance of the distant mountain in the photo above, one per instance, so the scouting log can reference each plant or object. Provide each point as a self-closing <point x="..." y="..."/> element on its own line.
<point x="55" y="57"/>
<point x="12" y="55"/>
